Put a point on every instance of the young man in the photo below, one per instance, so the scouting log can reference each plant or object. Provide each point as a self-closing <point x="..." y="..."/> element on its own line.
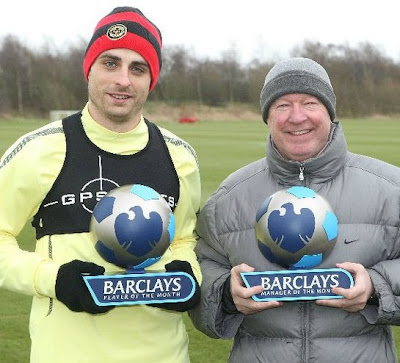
<point x="306" y="147"/>
<point x="55" y="175"/>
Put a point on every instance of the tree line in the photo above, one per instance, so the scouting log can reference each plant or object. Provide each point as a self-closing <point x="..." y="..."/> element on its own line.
<point x="33" y="82"/>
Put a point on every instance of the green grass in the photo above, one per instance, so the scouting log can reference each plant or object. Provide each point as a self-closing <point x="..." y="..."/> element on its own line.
<point x="222" y="147"/>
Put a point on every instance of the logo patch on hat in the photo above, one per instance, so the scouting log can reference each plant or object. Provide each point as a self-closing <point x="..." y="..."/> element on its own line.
<point x="117" y="31"/>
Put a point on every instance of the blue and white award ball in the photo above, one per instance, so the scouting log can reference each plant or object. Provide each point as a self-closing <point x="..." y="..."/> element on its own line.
<point x="296" y="228"/>
<point x="133" y="226"/>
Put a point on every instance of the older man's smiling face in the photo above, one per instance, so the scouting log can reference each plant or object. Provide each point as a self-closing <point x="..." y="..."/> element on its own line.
<point x="299" y="125"/>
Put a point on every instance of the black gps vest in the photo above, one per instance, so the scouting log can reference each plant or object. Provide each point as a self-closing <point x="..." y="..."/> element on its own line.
<point x="89" y="172"/>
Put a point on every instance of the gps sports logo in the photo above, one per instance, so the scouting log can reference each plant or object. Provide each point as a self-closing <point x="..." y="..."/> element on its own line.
<point x="92" y="191"/>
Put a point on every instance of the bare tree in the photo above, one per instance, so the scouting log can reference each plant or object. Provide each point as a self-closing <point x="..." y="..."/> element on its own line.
<point x="15" y="62"/>
<point x="365" y="81"/>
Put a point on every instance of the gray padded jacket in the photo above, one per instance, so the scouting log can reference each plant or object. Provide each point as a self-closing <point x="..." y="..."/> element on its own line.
<point x="365" y="195"/>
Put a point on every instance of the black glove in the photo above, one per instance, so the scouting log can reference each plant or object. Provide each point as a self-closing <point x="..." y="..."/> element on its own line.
<point x="181" y="266"/>
<point x="72" y="290"/>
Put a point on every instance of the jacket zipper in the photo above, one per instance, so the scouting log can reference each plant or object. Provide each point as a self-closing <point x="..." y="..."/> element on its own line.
<point x="50" y="253"/>
<point x="305" y="332"/>
<point x="301" y="173"/>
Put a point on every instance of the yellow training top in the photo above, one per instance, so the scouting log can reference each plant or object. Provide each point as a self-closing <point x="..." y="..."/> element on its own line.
<point x="136" y="333"/>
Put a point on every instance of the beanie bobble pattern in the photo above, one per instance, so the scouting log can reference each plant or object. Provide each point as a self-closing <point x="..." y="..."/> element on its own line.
<point x="126" y="27"/>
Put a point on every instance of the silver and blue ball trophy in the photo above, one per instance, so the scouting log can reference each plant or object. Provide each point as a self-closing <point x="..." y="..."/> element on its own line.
<point x="132" y="227"/>
<point x="296" y="229"/>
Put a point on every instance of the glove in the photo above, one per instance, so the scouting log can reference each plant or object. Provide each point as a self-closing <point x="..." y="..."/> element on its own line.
<point x="72" y="290"/>
<point x="181" y="266"/>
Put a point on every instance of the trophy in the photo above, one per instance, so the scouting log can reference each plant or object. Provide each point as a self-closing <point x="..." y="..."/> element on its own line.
<point x="132" y="226"/>
<point x="296" y="228"/>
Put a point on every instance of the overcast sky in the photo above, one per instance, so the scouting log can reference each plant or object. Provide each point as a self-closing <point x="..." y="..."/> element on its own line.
<point x="263" y="29"/>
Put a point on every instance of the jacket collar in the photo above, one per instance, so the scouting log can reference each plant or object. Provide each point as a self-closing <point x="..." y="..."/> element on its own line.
<point x="319" y="169"/>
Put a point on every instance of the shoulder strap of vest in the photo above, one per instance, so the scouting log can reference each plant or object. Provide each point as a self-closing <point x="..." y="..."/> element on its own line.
<point x="155" y="131"/>
<point x="74" y="117"/>
<point x="153" y="126"/>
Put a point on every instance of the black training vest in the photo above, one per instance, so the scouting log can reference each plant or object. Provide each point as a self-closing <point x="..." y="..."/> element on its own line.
<point x="89" y="172"/>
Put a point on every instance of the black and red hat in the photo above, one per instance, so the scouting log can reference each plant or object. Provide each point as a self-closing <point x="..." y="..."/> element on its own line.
<point x="126" y="27"/>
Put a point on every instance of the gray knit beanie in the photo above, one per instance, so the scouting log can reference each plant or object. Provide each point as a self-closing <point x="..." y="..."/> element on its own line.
<point x="297" y="75"/>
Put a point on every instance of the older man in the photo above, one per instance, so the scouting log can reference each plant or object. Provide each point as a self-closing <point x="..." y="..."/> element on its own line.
<point x="306" y="147"/>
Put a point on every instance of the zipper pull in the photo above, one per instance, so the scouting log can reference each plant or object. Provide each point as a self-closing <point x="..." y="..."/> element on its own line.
<point x="301" y="175"/>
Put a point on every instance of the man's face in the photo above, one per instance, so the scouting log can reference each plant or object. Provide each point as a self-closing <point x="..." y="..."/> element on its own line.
<point x="118" y="85"/>
<point x="299" y="125"/>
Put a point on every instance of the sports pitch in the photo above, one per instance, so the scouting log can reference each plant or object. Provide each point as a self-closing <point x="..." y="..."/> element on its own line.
<point x="221" y="147"/>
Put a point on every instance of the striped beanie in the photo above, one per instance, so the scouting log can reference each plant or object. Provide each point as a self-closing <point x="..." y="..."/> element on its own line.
<point x="126" y="27"/>
<point x="297" y="75"/>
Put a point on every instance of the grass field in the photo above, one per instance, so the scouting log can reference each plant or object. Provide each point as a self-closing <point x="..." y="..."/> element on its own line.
<point x="222" y="147"/>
